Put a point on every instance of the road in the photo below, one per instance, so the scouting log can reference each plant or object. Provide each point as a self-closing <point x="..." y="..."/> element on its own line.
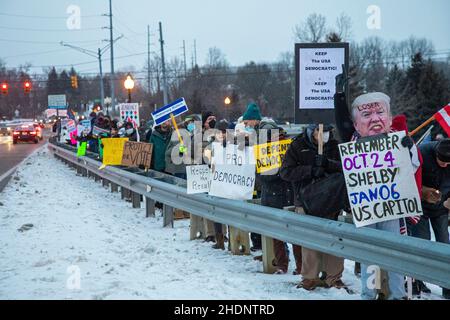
<point x="11" y="154"/>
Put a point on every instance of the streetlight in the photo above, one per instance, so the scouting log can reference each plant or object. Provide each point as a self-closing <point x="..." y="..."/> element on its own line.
<point x="129" y="85"/>
<point x="227" y="102"/>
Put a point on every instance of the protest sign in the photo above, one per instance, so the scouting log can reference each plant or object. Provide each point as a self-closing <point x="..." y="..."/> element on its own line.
<point x="97" y="131"/>
<point x="232" y="154"/>
<point x="136" y="154"/>
<point x="113" y="150"/>
<point x="269" y="156"/>
<point x="129" y="112"/>
<point x="84" y="127"/>
<point x="81" y="151"/>
<point x="233" y="181"/>
<point x="57" y="101"/>
<point x="317" y="66"/>
<point x="198" y="178"/>
<point x="175" y="108"/>
<point x="380" y="179"/>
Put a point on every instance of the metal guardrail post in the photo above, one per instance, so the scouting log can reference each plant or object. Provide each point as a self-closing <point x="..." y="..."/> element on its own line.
<point x="167" y="216"/>
<point x="105" y="183"/>
<point x="136" y="199"/>
<point x="114" y="187"/>
<point x="84" y="172"/>
<point x="149" y="207"/>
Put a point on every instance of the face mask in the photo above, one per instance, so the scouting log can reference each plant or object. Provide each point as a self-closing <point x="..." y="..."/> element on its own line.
<point x="249" y="129"/>
<point x="191" y="127"/>
<point x="130" y="131"/>
<point x="212" y="124"/>
<point x="326" y="137"/>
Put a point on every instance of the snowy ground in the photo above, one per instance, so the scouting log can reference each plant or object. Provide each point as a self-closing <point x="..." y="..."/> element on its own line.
<point x="79" y="227"/>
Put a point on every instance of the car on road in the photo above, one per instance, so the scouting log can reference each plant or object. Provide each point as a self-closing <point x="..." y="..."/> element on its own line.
<point x="25" y="133"/>
<point x="5" y="129"/>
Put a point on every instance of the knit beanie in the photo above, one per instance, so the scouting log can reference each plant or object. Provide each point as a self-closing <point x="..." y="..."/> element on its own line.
<point x="252" y="112"/>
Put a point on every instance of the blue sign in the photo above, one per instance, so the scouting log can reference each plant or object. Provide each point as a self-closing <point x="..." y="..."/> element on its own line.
<point x="176" y="108"/>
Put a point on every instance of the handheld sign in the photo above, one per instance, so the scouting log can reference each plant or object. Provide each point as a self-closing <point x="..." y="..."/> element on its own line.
<point x="380" y="179"/>
<point x="317" y="66"/>
<point x="113" y="151"/>
<point x="175" y="108"/>
<point x="57" y="101"/>
<point x="233" y="181"/>
<point x="136" y="154"/>
<point x="198" y="178"/>
<point x="129" y="112"/>
<point x="81" y="151"/>
<point x="269" y="156"/>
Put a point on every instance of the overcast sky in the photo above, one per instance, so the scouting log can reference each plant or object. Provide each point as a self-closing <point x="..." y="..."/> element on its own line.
<point x="244" y="30"/>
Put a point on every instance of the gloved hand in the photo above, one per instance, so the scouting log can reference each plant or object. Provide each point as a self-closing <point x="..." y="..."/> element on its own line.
<point x="321" y="161"/>
<point x="182" y="150"/>
<point x="407" y="142"/>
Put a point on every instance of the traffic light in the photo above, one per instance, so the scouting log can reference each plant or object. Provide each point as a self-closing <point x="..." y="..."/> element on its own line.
<point x="27" y="86"/>
<point x="4" y="88"/>
<point x="74" y="81"/>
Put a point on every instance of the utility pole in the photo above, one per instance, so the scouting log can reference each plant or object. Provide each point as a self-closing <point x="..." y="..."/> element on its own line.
<point x="195" y="52"/>
<point x="148" y="60"/>
<point x="166" y="99"/>
<point x="184" y="55"/>
<point x="112" y="56"/>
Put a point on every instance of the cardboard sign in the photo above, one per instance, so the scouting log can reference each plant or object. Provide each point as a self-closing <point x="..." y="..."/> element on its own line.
<point x="198" y="178"/>
<point x="136" y="154"/>
<point x="317" y="66"/>
<point x="113" y="151"/>
<point x="129" y="112"/>
<point x="233" y="181"/>
<point x="269" y="156"/>
<point x="176" y="108"/>
<point x="380" y="179"/>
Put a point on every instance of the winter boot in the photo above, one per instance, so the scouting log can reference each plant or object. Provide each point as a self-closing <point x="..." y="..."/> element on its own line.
<point x="219" y="242"/>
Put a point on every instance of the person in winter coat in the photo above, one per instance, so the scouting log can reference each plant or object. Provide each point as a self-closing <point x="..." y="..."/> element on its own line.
<point x="160" y="138"/>
<point x="435" y="191"/>
<point x="302" y="165"/>
<point x="278" y="193"/>
<point x="176" y="160"/>
<point x="130" y="132"/>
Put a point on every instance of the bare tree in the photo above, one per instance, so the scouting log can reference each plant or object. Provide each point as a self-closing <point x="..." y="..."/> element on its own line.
<point x="344" y="27"/>
<point x="313" y="30"/>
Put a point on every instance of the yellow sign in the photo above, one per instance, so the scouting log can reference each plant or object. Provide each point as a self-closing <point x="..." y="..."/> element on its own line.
<point x="269" y="156"/>
<point x="113" y="151"/>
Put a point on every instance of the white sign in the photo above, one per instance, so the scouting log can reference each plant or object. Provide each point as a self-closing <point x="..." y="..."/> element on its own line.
<point x="232" y="154"/>
<point x="129" y="112"/>
<point x="57" y="101"/>
<point x="198" y="178"/>
<point x="50" y="112"/>
<point x="176" y="108"/>
<point x="318" y="68"/>
<point x="380" y="180"/>
<point x="233" y="182"/>
<point x="84" y="127"/>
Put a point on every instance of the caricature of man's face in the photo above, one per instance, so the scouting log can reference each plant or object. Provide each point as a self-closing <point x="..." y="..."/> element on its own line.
<point x="372" y="119"/>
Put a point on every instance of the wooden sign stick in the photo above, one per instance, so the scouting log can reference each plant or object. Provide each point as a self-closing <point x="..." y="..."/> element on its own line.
<point x="320" y="145"/>
<point x="422" y="126"/>
<point x="176" y="129"/>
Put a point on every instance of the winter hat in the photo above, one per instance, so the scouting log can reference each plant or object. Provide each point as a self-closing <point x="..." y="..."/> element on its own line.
<point x="326" y="127"/>
<point x="205" y="116"/>
<point x="443" y="150"/>
<point x="252" y="112"/>
<point x="223" y="125"/>
<point x="399" y="123"/>
<point x="372" y="97"/>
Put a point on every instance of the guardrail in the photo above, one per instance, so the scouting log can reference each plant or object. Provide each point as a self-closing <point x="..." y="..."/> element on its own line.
<point x="421" y="259"/>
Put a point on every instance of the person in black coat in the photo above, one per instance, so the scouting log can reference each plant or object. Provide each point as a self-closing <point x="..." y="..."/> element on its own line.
<point x="301" y="166"/>
<point x="278" y="193"/>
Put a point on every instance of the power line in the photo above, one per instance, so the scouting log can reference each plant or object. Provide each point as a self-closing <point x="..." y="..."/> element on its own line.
<point x="49" y="30"/>
<point x="47" y="42"/>
<point x="44" y="17"/>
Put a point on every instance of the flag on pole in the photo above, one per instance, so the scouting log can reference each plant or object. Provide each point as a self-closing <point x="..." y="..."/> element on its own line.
<point x="443" y="117"/>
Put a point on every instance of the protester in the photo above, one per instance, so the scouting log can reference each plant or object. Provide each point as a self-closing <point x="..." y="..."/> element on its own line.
<point x="303" y="165"/>
<point x="435" y="191"/>
<point x="160" y="139"/>
<point x="278" y="193"/>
